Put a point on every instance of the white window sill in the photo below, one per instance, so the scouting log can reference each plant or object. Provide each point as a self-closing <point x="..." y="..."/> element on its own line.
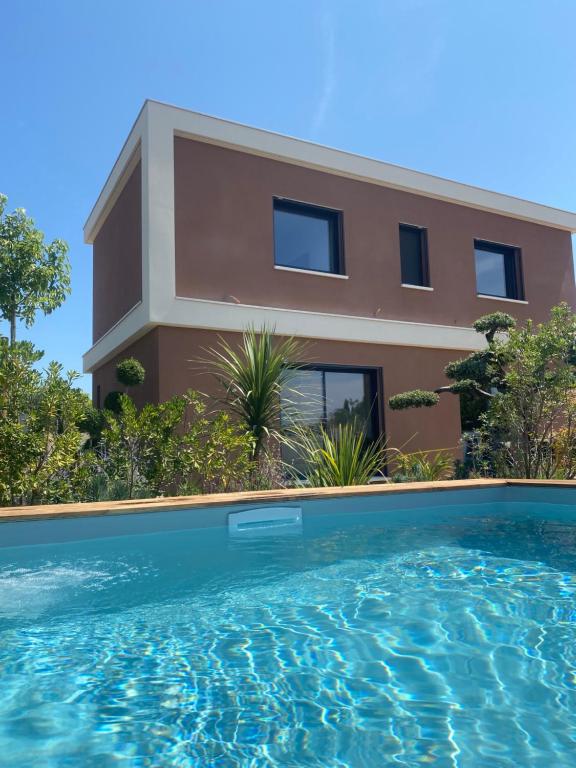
<point x="311" y="272"/>
<point x="417" y="287"/>
<point x="501" y="298"/>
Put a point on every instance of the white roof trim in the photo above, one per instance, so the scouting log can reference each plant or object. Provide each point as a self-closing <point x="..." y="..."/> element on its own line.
<point x="286" y="149"/>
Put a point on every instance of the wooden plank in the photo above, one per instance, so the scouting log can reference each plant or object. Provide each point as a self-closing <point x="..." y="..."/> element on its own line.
<point x="133" y="506"/>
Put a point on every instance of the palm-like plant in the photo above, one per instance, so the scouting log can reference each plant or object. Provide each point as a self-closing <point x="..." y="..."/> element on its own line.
<point x="337" y="456"/>
<point x="255" y="375"/>
<point x="422" y="465"/>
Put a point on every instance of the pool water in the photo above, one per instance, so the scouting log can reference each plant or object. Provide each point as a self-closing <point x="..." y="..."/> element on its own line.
<point x="438" y="637"/>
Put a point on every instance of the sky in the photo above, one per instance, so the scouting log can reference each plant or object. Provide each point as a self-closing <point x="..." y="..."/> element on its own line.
<point x="480" y="91"/>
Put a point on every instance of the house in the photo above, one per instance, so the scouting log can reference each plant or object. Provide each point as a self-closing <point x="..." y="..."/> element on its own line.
<point x="205" y="227"/>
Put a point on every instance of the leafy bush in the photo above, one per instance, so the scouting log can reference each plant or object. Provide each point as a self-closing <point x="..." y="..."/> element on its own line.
<point x="422" y="466"/>
<point x="40" y="440"/>
<point x="336" y="457"/>
<point x="530" y="425"/>
<point x="417" y="398"/>
<point x="170" y="448"/>
<point x="112" y="401"/>
<point x="130" y="372"/>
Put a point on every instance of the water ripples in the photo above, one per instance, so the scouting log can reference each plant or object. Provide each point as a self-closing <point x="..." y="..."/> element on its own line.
<point x="441" y="656"/>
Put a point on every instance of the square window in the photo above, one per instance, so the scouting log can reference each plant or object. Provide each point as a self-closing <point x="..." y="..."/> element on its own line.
<point x="498" y="270"/>
<point x="307" y="237"/>
<point x="414" y="255"/>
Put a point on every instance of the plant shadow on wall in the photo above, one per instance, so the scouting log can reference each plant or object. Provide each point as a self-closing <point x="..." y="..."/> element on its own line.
<point x="518" y="396"/>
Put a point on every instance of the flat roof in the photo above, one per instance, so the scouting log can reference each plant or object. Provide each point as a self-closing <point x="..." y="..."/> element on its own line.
<point x="287" y="149"/>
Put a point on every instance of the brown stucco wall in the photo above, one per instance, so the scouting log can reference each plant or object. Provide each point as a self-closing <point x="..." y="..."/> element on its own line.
<point x="182" y="350"/>
<point x="146" y="351"/>
<point x="224" y="243"/>
<point x="117" y="262"/>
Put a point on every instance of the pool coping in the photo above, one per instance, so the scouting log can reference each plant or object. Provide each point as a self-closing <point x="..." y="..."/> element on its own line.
<point x="171" y="503"/>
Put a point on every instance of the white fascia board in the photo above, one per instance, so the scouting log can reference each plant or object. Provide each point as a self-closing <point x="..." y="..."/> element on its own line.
<point x="335" y="161"/>
<point x="128" y="329"/>
<point x="223" y="316"/>
<point x="305" y="153"/>
<point x="117" y="178"/>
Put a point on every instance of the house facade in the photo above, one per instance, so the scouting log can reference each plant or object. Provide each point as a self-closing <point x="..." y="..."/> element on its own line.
<point x="205" y="227"/>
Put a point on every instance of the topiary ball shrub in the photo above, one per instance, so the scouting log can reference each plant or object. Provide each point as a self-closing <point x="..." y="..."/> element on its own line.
<point x="418" y="398"/>
<point x="130" y="372"/>
<point x="112" y="401"/>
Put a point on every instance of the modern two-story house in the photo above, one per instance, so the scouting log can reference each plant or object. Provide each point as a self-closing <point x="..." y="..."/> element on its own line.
<point x="205" y="227"/>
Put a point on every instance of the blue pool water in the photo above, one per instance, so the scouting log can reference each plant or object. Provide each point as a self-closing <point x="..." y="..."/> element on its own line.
<point x="441" y="638"/>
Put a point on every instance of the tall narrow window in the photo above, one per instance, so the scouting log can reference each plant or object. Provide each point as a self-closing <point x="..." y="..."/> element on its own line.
<point x="307" y="237"/>
<point x="498" y="270"/>
<point x="414" y="255"/>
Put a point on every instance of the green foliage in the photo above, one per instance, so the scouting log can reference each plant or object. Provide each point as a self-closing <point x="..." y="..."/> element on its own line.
<point x="422" y="466"/>
<point x="34" y="275"/>
<point x="496" y="322"/>
<point x="112" y="401"/>
<point x="130" y="372"/>
<point x="253" y="377"/>
<point x="338" y="456"/>
<point x="170" y="448"/>
<point x="536" y="403"/>
<point x="417" y="398"/>
<point x="40" y="440"/>
<point x="475" y="378"/>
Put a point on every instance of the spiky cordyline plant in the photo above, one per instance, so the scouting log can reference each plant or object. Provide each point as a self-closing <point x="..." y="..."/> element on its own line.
<point x="337" y="456"/>
<point x="255" y="375"/>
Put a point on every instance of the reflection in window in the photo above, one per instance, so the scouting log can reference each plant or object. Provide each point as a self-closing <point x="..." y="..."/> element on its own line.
<point x="330" y="396"/>
<point x="306" y="237"/>
<point x="498" y="270"/>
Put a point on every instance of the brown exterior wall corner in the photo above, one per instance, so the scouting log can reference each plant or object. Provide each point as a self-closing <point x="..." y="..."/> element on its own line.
<point x="146" y="351"/>
<point x="117" y="262"/>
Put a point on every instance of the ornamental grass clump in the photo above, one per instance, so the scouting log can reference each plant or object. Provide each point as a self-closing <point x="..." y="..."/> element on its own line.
<point x="336" y="456"/>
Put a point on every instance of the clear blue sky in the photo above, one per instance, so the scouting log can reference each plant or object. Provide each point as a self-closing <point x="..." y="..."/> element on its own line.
<point x="482" y="91"/>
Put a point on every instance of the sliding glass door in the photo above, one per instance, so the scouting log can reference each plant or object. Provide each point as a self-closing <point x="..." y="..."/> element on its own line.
<point x="331" y="395"/>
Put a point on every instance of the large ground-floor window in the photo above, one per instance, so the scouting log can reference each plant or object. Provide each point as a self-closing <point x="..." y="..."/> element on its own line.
<point x="328" y="395"/>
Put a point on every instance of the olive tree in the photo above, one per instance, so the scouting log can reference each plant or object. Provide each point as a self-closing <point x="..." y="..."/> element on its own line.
<point x="34" y="275"/>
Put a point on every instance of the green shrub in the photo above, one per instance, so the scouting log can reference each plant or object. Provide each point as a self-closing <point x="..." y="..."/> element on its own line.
<point x="130" y="372"/>
<point x="170" y="448"/>
<point x="338" y="456"/>
<point x="422" y="466"/>
<point x="417" y="398"/>
<point x="112" y="401"/>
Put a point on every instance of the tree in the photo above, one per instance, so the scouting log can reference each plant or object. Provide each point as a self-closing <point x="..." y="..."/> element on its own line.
<point x="255" y="376"/>
<point x="475" y="378"/>
<point x="40" y="440"/>
<point x="34" y="275"/>
<point x="531" y="422"/>
<point x="130" y="373"/>
<point x="526" y="385"/>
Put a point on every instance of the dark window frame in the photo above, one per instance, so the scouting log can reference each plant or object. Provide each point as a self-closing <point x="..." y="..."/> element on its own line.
<point x="513" y="273"/>
<point x="334" y="218"/>
<point x="424" y="260"/>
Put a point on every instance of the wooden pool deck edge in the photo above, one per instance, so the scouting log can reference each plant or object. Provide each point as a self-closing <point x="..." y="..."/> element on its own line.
<point x="165" y="503"/>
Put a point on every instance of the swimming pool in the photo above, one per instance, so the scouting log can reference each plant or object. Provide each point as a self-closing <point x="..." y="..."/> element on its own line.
<point x="386" y="631"/>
